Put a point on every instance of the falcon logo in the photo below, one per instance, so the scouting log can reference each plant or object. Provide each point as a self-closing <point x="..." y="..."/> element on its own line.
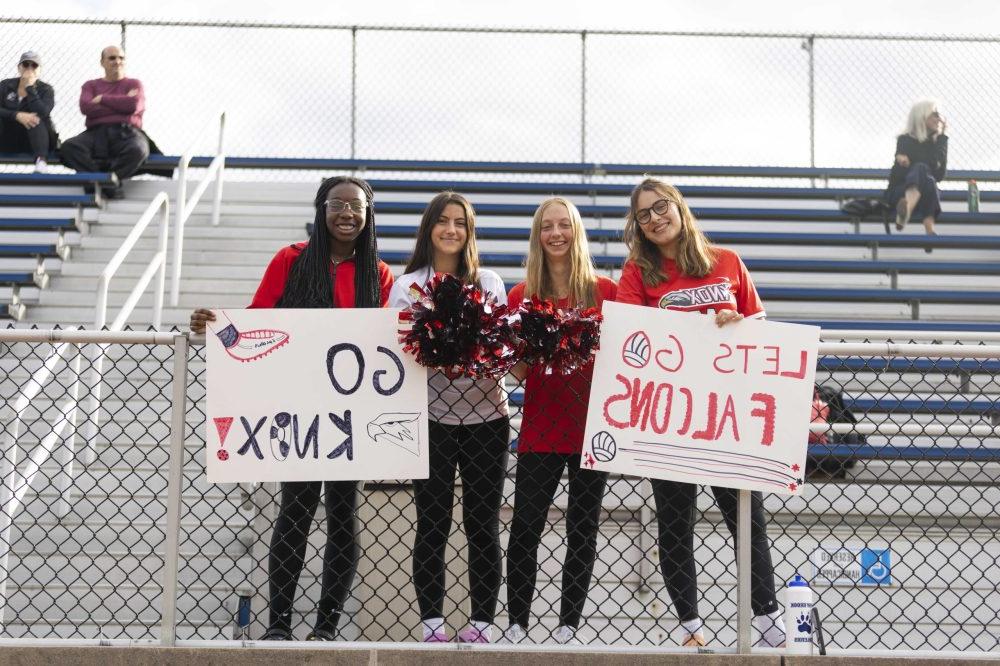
<point x="697" y="297"/>
<point x="398" y="428"/>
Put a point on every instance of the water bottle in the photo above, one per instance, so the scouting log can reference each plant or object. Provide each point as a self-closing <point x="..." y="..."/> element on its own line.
<point x="973" y="197"/>
<point x="798" y="616"/>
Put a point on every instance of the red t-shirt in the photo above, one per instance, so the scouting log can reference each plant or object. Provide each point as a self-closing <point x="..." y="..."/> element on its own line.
<point x="727" y="287"/>
<point x="555" y="406"/>
<point x="272" y="285"/>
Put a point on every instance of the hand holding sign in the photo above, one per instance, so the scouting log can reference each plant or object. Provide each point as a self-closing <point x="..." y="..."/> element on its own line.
<point x="339" y="400"/>
<point x="682" y="399"/>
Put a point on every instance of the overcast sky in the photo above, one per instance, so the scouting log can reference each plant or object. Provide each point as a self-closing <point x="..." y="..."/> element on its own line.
<point x="502" y="96"/>
<point x="869" y="16"/>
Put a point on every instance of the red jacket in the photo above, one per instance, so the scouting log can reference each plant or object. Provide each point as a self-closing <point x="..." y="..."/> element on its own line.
<point x="555" y="406"/>
<point x="272" y="285"/>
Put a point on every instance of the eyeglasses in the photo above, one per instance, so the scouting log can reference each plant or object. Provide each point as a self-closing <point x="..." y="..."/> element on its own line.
<point x="27" y="64"/>
<point x="660" y="207"/>
<point x="337" y="206"/>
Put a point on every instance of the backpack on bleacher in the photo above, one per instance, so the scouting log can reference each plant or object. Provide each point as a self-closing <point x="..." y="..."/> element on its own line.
<point x="864" y="207"/>
<point x="828" y="407"/>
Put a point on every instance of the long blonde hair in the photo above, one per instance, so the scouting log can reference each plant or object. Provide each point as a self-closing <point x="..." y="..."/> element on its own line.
<point x="582" y="276"/>
<point x="695" y="255"/>
<point x="916" y="122"/>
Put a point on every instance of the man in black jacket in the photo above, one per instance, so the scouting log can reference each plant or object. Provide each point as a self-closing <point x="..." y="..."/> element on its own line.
<point x="25" y="107"/>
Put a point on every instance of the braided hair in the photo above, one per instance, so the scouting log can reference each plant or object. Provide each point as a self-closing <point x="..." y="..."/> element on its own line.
<point x="309" y="284"/>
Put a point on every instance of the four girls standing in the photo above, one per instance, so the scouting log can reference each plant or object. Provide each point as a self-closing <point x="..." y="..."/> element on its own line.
<point x="469" y="421"/>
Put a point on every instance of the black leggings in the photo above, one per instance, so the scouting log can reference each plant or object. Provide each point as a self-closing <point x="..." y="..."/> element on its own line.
<point x="538" y="476"/>
<point x="299" y="500"/>
<point x="675" y="518"/>
<point x="479" y="452"/>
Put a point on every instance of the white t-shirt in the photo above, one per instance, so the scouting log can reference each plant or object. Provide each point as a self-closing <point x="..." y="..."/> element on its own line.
<point x="460" y="401"/>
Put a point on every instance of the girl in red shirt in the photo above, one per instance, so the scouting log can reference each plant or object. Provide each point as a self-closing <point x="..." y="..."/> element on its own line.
<point x="338" y="268"/>
<point x="552" y="425"/>
<point x="669" y="257"/>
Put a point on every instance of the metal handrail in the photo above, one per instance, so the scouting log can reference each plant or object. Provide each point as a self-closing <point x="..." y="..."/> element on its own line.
<point x="157" y="264"/>
<point x="185" y="206"/>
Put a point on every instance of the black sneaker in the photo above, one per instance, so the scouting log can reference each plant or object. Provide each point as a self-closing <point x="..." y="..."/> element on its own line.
<point x="277" y="634"/>
<point x="113" y="192"/>
<point x="321" y="635"/>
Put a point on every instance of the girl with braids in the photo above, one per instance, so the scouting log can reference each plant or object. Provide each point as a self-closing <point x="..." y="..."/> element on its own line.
<point x="555" y="412"/>
<point x="468" y="431"/>
<point x="338" y="268"/>
<point x="668" y="258"/>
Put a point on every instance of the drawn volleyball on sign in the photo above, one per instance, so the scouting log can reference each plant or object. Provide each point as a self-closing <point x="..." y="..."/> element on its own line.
<point x="604" y="447"/>
<point x="635" y="351"/>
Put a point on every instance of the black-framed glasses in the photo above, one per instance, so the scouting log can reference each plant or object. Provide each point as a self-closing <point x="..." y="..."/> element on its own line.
<point x="27" y="64"/>
<point x="337" y="206"/>
<point x="660" y="207"/>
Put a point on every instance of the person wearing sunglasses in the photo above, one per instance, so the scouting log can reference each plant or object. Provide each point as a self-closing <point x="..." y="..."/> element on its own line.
<point x="338" y="268"/>
<point x="25" y="106"/>
<point x="114" y="140"/>
<point x="669" y="260"/>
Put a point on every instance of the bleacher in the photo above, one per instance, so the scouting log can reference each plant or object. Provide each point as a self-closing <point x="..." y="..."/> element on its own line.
<point x="812" y="264"/>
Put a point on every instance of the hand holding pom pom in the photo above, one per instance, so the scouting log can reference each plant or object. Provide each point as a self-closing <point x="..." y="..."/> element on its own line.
<point x="459" y="330"/>
<point x="560" y="340"/>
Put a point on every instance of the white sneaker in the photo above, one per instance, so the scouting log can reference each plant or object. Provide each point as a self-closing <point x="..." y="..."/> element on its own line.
<point x="515" y="633"/>
<point x="565" y="635"/>
<point x="41" y="166"/>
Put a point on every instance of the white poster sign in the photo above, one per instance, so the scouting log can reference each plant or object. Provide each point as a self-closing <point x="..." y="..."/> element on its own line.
<point x="310" y="395"/>
<point x="676" y="397"/>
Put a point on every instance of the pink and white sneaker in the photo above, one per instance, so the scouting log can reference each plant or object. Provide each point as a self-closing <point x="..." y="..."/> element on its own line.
<point x="251" y="345"/>
<point x="473" y="635"/>
<point x="437" y="637"/>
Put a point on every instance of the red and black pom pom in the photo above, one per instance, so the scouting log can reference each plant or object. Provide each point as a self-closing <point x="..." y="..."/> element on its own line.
<point x="458" y="329"/>
<point x="560" y="340"/>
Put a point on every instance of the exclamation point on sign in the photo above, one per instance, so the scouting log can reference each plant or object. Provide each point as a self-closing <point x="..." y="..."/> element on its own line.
<point x="222" y="424"/>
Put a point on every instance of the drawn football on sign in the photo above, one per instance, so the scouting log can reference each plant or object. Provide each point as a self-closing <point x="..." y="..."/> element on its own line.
<point x="635" y="351"/>
<point x="281" y="435"/>
<point x="604" y="447"/>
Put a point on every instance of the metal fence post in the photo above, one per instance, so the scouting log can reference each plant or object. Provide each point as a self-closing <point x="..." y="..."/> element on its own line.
<point x="175" y="477"/>
<point x="810" y="46"/>
<point x="354" y="91"/>
<point x="583" y="96"/>
<point x="743" y="612"/>
<point x="123" y="34"/>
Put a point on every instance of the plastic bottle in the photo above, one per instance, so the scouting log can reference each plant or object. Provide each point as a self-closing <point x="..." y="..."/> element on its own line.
<point x="798" y="616"/>
<point x="973" y="197"/>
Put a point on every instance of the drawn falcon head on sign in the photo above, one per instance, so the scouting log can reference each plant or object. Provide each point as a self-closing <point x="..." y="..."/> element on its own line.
<point x="398" y="428"/>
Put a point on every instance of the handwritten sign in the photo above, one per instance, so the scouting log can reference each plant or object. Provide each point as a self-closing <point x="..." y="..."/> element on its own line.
<point x="676" y="397"/>
<point x="310" y="395"/>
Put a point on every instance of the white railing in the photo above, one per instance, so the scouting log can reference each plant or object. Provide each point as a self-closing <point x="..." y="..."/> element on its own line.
<point x="158" y="264"/>
<point x="185" y="206"/>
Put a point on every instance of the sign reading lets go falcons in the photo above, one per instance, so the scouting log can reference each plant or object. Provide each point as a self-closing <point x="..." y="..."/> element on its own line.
<point x="676" y="397"/>
<point x="311" y="395"/>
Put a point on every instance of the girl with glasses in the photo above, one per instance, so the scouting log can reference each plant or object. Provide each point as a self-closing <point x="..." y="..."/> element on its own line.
<point x="668" y="257"/>
<point x="338" y="268"/>
<point x="551" y="438"/>
<point x="468" y="431"/>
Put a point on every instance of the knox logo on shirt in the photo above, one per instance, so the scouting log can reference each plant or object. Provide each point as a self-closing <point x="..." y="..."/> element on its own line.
<point x="718" y="293"/>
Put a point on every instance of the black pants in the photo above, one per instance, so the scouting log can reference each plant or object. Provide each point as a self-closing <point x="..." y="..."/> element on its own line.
<point x="675" y="518"/>
<point x="538" y="476"/>
<point x="479" y="452"/>
<point x="919" y="176"/>
<point x="118" y="148"/>
<point x="288" y="548"/>
<point x="15" y="138"/>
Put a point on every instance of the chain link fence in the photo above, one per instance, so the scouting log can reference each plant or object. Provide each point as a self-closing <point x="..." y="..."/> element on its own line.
<point x="522" y="95"/>
<point x="897" y="529"/>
